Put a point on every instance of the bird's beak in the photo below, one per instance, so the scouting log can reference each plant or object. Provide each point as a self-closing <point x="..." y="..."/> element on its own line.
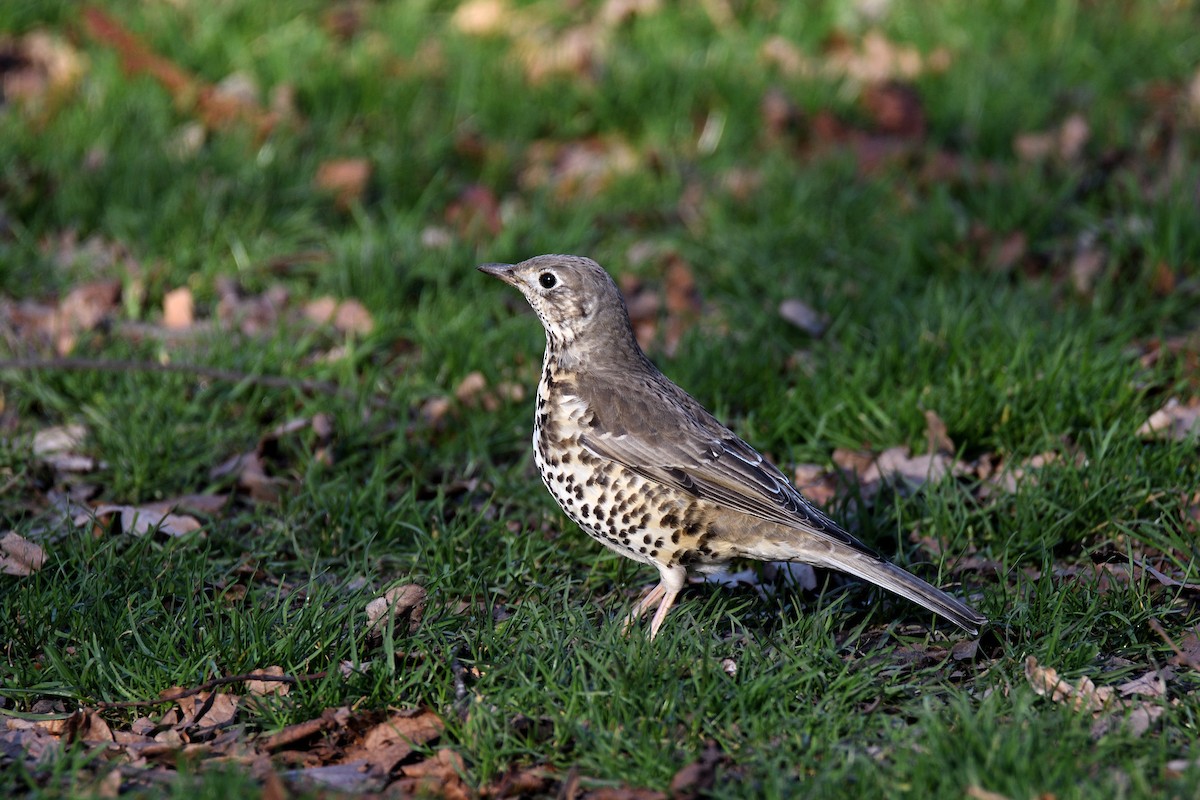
<point x="502" y="271"/>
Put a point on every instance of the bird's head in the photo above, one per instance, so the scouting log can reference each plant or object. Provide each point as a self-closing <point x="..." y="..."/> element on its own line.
<point x="579" y="305"/>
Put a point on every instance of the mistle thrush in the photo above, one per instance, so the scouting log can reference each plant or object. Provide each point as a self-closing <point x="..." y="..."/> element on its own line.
<point x="641" y="466"/>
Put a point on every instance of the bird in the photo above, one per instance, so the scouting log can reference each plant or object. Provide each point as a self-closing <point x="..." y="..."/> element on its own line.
<point x="645" y="470"/>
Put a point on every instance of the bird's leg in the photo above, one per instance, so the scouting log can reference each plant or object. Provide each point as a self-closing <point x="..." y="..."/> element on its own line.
<point x="643" y="605"/>
<point x="671" y="585"/>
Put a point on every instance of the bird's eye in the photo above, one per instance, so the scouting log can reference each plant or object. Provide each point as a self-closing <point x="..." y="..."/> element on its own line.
<point x="547" y="280"/>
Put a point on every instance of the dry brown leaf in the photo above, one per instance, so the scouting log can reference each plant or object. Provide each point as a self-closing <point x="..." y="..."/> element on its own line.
<point x="353" y="317"/>
<point x="345" y="178"/>
<point x="1188" y="654"/>
<point x="321" y="310"/>
<point x="263" y="688"/>
<point x="390" y="742"/>
<point x="804" y="317"/>
<point x="1111" y="713"/>
<point x="434" y="410"/>
<point x="872" y="60"/>
<point x="213" y="109"/>
<point x="1174" y="421"/>
<point x="405" y="603"/>
<point x="1007" y="252"/>
<point x="178" y="309"/>
<point x="58" y="439"/>
<point x="141" y="520"/>
<point x="936" y="435"/>
<point x="1150" y="684"/>
<point x="979" y="793"/>
<point x="470" y="387"/>
<point x="617" y="12"/>
<point x="19" y="556"/>
<point x="580" y="169"/>
<point x="87" y="726"/>
<point x="815" y="483"/>
<point x="439" y="776"/>
<point x="483" y="18"/>
<point x="475" y="214"/>
<point x="1086" y="266"/>
<point x="575" y="52"/>
<point x="896" y="109"/>
<point x="41" y="69"/>
<point x="57" y="446"/>
<point x="207" y="709"/>
<point x="853" y="462"/>
<point x="696" y="779"/>
<point x="1064" y="142"/>
<point x="896" y="464"/>
<point x="1082" y="696"/>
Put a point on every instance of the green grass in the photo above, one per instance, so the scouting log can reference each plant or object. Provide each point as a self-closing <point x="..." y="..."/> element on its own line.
<point x="827" y="699"/>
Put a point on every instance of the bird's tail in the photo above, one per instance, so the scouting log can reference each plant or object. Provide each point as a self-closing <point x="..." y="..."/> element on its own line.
<point x="907" y="585"/>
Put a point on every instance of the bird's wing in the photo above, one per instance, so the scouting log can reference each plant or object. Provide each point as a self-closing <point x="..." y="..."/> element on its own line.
<point x="687" y="448"/>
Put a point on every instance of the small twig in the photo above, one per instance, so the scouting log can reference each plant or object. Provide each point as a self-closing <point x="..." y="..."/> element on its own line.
<point x="1157" y="627"/>
<point x="212" y="684"/>
<point x="297" y="732"/>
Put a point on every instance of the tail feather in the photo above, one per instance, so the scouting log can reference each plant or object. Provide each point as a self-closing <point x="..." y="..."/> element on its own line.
<point x="909" y="586"/>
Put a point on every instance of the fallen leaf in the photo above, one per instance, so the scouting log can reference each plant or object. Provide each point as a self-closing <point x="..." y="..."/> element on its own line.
<point x="390" y="742"/>
<point x="1150" y="684"/>
<point x="470" y="387"/>
<point x="57" y="446"/>
<point x="40" y="70"/>
<point x="440" y="775"/>
<point x="896" y="109"/>
<point x="58" y="439"/>
<point x="1085" y="267"/>
<point x="353" y="317"/>
<point x="215" y="110"/>
<point x="696" y="779"/>
<point x="321" y="310"/>
<point x="575" y="52"/>
<point x="178" y="309"/>
<point x="1082" y="695"/>
<point x="816" y="483"/>
<point x="475" y="214"/>
<point x="141" y="520"/>
<point x="482" y="17"/>
<point x="1008" y="251"/>
<point x="405" y="603"/>
<point x="19" y="556"/>
<point x="1174" y="421"/>
<point x="578" y="169"/>
<point x="261" y="688"/>
<point x="936" y="435"/>
<point x="1064" y="142"/>
<point x="979" y="793"/>
<point x="345" y="178"/>
<point x="896" y="465"/>
<point x="804" y="317"/>
<point x="207" y="709"/>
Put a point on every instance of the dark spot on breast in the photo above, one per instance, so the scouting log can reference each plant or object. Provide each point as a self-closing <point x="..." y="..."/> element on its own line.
<point x="674" y="537"/>
<point x="586" y="511"/>
<point x="669" y="521"/>
<point x="646" y="539"/>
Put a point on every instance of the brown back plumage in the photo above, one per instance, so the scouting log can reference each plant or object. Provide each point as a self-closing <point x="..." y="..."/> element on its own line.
<point x="604" y="407"/>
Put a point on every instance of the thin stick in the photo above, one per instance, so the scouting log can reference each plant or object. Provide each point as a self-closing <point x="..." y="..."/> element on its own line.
<point x="1157" y="627"/>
